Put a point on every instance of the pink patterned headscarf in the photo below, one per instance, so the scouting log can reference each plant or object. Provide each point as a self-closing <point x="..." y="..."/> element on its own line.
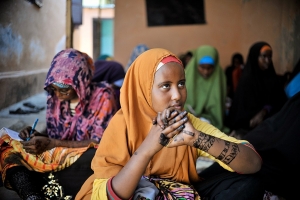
<point x="96" y="100"/>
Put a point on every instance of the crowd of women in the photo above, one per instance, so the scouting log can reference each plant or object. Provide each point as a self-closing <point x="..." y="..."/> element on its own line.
<point x="136" y="132"/>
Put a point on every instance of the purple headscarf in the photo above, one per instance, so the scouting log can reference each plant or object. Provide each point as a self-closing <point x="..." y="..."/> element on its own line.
<point x="109" y="71"/>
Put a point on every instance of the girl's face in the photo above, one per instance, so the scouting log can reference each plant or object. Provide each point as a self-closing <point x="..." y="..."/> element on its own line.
<point x="169" y="87"/>
<point x="265" y="59"/>
<point x="237" y="62"/>
<point x="63" y="94"/>
<point x="205" y="70"/>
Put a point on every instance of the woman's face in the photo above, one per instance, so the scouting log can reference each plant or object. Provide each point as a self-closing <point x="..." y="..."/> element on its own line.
<point x="236" y="62"/>
<point x="169" y="87"/>
<point x="205" y="70"/>
<point x="265" y="59"/>
<point x="63" y="94"/>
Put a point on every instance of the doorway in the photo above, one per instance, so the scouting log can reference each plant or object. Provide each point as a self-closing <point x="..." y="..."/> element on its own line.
<point x="103" y="37"/>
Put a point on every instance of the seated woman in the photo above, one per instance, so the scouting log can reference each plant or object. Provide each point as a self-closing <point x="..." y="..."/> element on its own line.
<point x="78" y="112"/>
<point x="111" y="72"/>
<point x="277" y="141"/>
<point x="259" y="93"/>
<point x="150" y="147"/>
<point x="206" y="86"/>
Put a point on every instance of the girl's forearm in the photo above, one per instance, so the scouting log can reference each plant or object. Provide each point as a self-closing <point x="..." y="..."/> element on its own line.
<point x="239" y="157"/>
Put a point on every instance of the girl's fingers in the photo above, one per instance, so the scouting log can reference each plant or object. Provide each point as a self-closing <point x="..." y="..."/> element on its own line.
<point x="177" y="117"/>
<point x="170" y="132"/>
<point x="175" y="128"/>
<point x="168" y="117"/>
<point x="173" y="115"/>
<point x="170" y="113"/>
<point x="164" y="117"/>
<point x="25" y="132"/>
<point x="154" y="121"/>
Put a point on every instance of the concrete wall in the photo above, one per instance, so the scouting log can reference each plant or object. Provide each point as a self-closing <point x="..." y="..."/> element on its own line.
<point x="231" y="26"/>
<point x="29" y="38"/>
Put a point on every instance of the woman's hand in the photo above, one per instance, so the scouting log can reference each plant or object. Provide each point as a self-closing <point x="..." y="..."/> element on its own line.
<point x="24" y="134"/>
<point x="185" y="137"/>
<point x="166" y="125"/>
<point x="38" y="144"/>
<point x="164" y="119"/>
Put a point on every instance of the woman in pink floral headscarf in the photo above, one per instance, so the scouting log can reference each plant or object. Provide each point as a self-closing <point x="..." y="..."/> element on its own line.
<point x="78" y="111"/>
<point x="93" y="102"/>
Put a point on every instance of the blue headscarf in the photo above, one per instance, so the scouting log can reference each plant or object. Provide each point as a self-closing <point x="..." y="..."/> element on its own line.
<point x="207" y="60"/>
<point x="139" y="49"/>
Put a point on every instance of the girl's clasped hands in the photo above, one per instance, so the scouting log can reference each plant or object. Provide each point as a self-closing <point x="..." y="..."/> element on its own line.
<point x="173" y="128"/>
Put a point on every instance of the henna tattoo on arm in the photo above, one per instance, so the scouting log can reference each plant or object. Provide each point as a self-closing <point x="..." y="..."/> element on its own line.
<point x="204" y="142"/>
<point x="225" y="150"/>
<point x="234" y="151"/>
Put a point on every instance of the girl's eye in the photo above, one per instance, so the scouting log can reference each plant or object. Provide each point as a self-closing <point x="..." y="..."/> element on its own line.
<point x="165" y="86"/>
<point x="181" y="84"/>
<point x="52" y="88"/>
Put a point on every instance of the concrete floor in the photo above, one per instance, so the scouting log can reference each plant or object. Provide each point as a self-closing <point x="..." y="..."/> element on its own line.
<point x="17" y="122"/>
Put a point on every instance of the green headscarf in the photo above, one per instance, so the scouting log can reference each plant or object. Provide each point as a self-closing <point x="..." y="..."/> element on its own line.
<point x="206" y="97"/>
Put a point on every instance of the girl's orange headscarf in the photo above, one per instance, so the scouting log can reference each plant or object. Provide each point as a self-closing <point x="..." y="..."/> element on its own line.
<point x="131" y="124"/>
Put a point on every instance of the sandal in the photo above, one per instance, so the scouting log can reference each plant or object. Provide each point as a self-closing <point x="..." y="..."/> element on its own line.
<point x="30" y="105"/>
<point x="21" y="111"/>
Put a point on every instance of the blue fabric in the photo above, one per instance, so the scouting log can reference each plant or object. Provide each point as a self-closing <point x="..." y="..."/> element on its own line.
<point x="293" y="87"/>
<point x="207" y="60"/>
<point x="62" y="85"/>
<point x="119" y="83"/>
<point x="145" y="189"/>
<point x="138" y="50"/>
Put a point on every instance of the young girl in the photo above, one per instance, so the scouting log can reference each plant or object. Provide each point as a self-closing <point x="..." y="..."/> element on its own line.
<point x="150" y="147"/>
<point x="206" y="86"/>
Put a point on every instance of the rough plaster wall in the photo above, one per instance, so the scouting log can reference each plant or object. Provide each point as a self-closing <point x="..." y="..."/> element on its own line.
<point x="273" y="21"/>
<point x="296" y="36"/>
<point x="232" y="26"/>
<point x="29" y="38"/>
<point x="290" y="35"/>
<point x="11" y="46"/>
